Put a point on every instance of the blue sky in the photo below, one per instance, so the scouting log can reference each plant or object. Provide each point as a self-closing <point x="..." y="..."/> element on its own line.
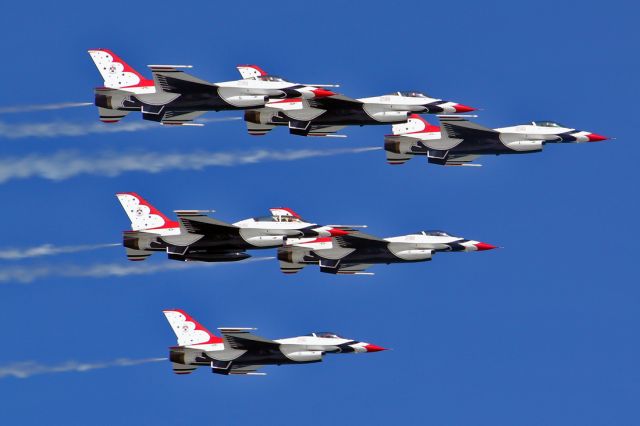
<point x="543" y="331"/>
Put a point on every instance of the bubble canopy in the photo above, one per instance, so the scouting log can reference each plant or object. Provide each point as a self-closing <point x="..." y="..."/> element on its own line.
<point x="268" y="78"/>
<point x="435" y="233"/>
<point x="326" y="334"/>
<point x="547" y="124"/>
<point x="409" y="94"/>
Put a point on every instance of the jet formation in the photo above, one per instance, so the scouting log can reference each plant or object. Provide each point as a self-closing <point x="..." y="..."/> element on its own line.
<point x="337" y="249"/>
<point x="174" y="97"/>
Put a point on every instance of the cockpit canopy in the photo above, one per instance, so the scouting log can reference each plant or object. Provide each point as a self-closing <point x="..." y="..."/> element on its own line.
<point x="435" y="233"/>
<point x="277" y="219"/>
<point x="547" y="124"/>
<point x="326" y="334"/>
<point x="268" y="78"/>
<point x="409" y="94"/>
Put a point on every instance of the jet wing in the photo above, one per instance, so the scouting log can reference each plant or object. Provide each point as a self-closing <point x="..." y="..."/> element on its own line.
<point x="327" y="131"/>
<point x="461" y="160"/>
<point x="233" y="368"/>
<point x="245" y="370"/>
<point x="196" y="222"/>
<point x="354" y="269"/>
<point x="334" y="102"/>
<point x="360" y="239"/>
<point x="461" y="128"/>
<point x="181" y="118"/>
<point x="243" y="339"/>
<point x="171" y="79"/>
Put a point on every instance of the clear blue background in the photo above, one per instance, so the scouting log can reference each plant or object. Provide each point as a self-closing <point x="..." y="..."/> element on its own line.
<point x="544" y="331"/>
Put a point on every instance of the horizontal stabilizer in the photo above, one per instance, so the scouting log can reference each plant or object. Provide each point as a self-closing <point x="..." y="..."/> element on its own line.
<point x="111" y="115"/>
<point x="183" y="369"/>
<point x="137" y="255"/>
<point x="397" y="159"/>
<point x="259" y="129"/>
<point x="290" y="268"/>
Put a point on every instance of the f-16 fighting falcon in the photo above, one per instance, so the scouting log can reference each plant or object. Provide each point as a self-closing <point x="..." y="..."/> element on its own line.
<point x="326" y="115"/>
<point x="240" y="352"/>
<point x="352" y="254"/>
<point x="197" y="237"/>
<point x="175" y="97"/>
<point x="457" y="142"/>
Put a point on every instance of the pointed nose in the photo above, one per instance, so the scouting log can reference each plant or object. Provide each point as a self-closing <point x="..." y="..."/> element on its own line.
<point x="463" y="108"/>
<point x="374" y="348"/>
<point x="484" y="246"/>
<point x="594" y="137"/>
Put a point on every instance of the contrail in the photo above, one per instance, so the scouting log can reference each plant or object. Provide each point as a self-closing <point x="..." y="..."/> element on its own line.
<point x="61" y="128"/>
<point x="28" y="274"/>
<point x="26" y="369"/>
<point x="48" y="250"/>
<point x="42" y="107"/>
<point x="67" y="164"/>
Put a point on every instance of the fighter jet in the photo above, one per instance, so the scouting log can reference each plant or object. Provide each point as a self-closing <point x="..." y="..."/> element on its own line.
<point x="457" y="142"/>
<point x="326" y="115"/>
<point x="240" y="352"/>
<point x="197" y="237"/>
<point x="352" y="254"/>
<point x="177" y="98"/>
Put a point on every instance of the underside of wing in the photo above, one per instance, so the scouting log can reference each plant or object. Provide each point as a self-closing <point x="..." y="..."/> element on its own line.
<point x="326" y="131"/>
<point x="354" y="269"/>
<point x="245" y="370"/>
<point x="181" y="118"/>
<point x="461" y="160"/>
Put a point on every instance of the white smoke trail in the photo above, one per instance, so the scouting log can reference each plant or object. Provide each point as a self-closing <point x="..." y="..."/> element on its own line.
<point x="48" y="250"/>
<point x="61" y="128"/>
<point x="54" y="129"/>
<point x="42" y="107"/>
<point x="67" y="164"/>
<point x="28" y="274"/>
<point x="26" y="369"/>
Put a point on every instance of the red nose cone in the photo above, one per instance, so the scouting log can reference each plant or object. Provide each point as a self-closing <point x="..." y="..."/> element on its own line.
<point x="593" y="137"/>
<point x="322" y="93"/>
<point x="463" y="108"/>
<point x="337" y="232"/>
<point x="374" y="348"/>
<point x="484" y="246"/>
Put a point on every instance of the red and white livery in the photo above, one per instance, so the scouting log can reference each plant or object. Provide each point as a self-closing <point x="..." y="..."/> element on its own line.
<point x="198" y="237"/>
<point x="174" y="97"/>
<point x="240" y="352"/>
<point x="458" y="141"/>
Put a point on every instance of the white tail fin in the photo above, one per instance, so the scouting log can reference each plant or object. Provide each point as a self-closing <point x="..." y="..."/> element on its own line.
<point x="250" y="71"/>
<point x="188" y="330"/>
<point x="117" y="74"/>
<point x="415" y="124"/>
<point x="142" y="214"/>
